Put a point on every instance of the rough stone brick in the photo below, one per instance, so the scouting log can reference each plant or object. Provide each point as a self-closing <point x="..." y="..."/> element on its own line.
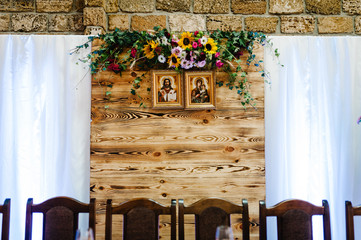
<point x="211" y="6"/>
<point x="304" y="24"/>
<point x="187" y="22"/>
<point x="93" y="30"/>
<point x="118" y="21"/>
<point x="136" y="6"/>
<point x="79" y="5"/>
<point x="324" y="6"/>
<point x="249" y="6"/>
<point x="54" y="5"/>
<point x="335" y="25"/>
<point x="111" y="6"/>
<point x="66" y="23"/>
<point x="5" y="5"/>
<point x="23" y="5"/>
<point x="174" y="6"/>
<point x="224" y="23"/>
<point x="358" y="25"/>
<point x="94" y="3"/>
<point x="144" y="23"/>
<point x="285" y="6"/>
<point x="4" y="22"/>
<point x="352" y="6"/>
<point x="94" y="16"/>
<point x="29" y="22"/>
<point x="261" y="24"/>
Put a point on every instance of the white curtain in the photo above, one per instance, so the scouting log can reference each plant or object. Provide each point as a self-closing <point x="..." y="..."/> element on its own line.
<point x="44" y="123"/>
<point x="313" y="143"/>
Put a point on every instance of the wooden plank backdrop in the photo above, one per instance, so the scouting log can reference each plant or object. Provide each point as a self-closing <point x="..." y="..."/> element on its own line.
<point x="173" y="154"/>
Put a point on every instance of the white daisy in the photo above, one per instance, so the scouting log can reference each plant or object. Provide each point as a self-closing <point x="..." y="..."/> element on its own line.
<point x="204" y="40"/>
<point x="161" y="59"/>
<point x="165" y="41"/>
<point x="183" y="54"/>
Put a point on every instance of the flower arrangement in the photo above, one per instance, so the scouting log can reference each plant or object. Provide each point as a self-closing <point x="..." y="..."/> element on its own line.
<point x="160" y="49"/>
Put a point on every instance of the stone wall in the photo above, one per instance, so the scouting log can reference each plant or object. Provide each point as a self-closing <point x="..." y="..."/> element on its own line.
<point x="307" y="17"/>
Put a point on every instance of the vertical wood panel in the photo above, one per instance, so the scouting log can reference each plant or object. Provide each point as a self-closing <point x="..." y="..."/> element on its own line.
<point x="165" y="154"/>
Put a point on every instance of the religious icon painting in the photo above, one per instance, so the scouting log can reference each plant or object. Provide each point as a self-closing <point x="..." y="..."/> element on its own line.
<point x="200" y="90"/>
<point x="167" y="89"/>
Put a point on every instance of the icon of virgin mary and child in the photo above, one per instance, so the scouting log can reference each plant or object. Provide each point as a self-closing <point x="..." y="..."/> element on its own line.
<point x="199" y="93"/>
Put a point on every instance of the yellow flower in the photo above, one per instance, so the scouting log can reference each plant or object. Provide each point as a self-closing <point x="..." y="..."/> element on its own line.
<point x="210" y="47"/>
<point x="186" y="40"/>
<point x="173" y="60"/>
<point x="149" y="49"/>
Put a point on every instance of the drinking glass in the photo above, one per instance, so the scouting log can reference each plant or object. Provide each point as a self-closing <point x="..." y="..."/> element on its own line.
<point x="224" y="233"/>
<point x="84" y="235"/>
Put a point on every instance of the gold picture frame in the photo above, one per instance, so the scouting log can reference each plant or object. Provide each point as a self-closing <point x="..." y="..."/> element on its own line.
<point x="167" y="89"/>
<point x="200" y="90"/>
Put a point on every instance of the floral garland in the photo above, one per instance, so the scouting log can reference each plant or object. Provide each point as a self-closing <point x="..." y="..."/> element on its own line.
<point x="160" y="49"/>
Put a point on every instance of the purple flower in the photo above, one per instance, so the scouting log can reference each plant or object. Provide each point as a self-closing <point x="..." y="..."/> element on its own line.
<point x="201" y="64"/>
<point x="217" y="54"/>
<point x="219" y="64"/>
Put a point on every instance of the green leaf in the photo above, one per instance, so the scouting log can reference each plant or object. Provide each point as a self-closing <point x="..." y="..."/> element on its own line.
<point x="108" y="93"/>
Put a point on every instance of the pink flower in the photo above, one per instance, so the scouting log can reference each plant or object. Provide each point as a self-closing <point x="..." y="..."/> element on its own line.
<point x="200" y="45"/>
<point x="114" y="67"/>
<point x="217" y="54"/>
<point x="133" y="52"/>
<point x="196" y="33"/>
<point x="219" y="64"/>
<point x="194" y="45"/>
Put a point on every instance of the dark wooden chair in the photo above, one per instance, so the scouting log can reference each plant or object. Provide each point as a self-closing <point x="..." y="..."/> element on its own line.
<point x="209" y="214"/>
<point x="60" y="217"/>
<point x="5" y="210"/>
<point x="294" y="219"/>
<point x="350" y="213"/>
<point x="140" y="218"/>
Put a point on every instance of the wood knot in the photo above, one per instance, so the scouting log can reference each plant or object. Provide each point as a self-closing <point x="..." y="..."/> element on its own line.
<point x="133" y="74"/>
<point x="156" y="154"/>
<point x="229" y="149"/>
<point x="205" y="121"/>
<point x="162" y="181"/>
<point x="164" y="194"/>
<point x="101" y="188"/>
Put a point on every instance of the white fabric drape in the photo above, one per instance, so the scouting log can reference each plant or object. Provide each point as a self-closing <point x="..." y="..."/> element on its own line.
<point x="312" y="139"/>
<point x="44" y="122"/>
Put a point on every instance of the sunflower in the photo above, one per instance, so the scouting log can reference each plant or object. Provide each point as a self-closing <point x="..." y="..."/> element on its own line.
<point x="149" y="49"/>
<point x="210" y="47"/>
<point x="186" y="40"/>
<point x="173" y="60"/>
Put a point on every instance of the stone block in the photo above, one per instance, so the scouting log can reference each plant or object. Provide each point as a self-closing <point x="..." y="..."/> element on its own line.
<point x="93" y="30"/>
<point x="94" y="3"/>
<point x="144" y="6"/>
<point x="111" y="6"/>
<point x="23" y="5"/>
<point x="352" y="6"/>
<point x="4" y="22"/>
<point x="299" y="24"/>
<point x="323" y="7"/>
<point x="286" y="6"/>
<point x="187" y="22"/>
<point x="249" y="6"/>
<point x="54" y="5"/>
<point x="335" y="25"/>
<point x="174" y="6"/>
<point x="211" y="6"/>
<point x="95" y="16"/>
<point x="118" y="21"/>
<point x="144" y="23"/>
<point x="358" y="25"/>
<point x="224" y="23"/>
<point x="66" y="23"/>
<point x="29" y="23"/>
<point x="261" y="24"/>
<point x="5" y="5"/>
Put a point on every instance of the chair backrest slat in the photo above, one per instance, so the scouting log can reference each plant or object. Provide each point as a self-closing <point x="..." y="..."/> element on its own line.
<point x="350" y="213"/>
<point x="5" y="210"/>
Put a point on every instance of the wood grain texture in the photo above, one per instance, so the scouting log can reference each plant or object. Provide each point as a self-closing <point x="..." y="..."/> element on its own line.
<point x="165" y="154"/>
